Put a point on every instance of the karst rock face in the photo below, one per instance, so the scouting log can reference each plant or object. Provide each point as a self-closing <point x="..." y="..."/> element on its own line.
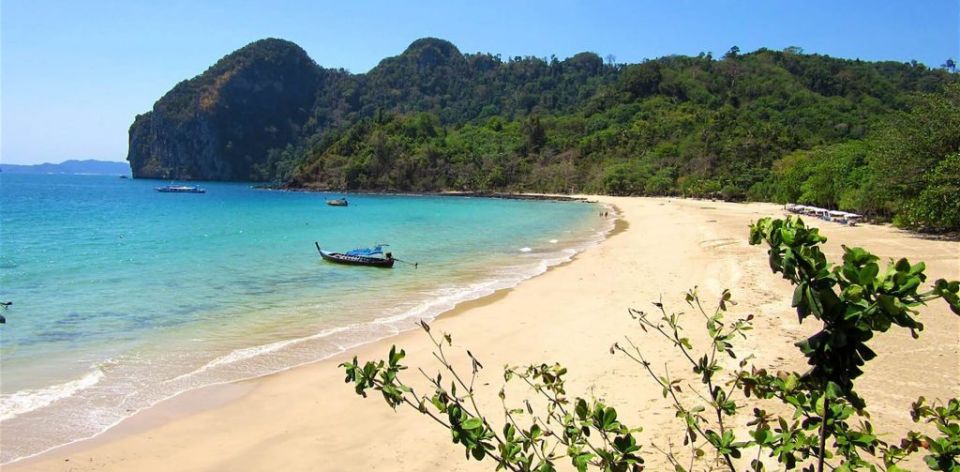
<point x="256" y="114"/>
<point x="222" y="124"/>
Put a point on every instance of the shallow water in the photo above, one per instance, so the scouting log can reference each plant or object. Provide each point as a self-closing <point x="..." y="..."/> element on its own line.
<point x="124" y="296"/>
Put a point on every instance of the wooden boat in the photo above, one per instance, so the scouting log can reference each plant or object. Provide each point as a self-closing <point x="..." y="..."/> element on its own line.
<point x="341" y="258"/>
<point x="180" y="189"/>
<point x="338" y="202"/>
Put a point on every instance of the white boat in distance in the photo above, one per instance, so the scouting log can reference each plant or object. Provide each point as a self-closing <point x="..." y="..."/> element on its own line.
<point x="180" y="189"/>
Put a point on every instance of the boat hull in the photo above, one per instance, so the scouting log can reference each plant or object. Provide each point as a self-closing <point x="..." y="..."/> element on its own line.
<point x="340" y="258"/>
<point x="180" y="190"/>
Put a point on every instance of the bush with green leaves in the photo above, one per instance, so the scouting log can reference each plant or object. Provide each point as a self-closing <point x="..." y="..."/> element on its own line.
<point x="936" y="209"/>
<point x="813" y="420"/>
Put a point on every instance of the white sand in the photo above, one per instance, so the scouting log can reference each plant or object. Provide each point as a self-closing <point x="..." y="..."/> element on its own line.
<point x="308" y="419"/>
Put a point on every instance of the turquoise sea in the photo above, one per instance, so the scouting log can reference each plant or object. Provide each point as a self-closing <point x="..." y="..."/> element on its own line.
<point x="124" y="296"/>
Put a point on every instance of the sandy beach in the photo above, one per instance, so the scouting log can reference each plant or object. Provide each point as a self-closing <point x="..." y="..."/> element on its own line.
<point x="308" y="419"/>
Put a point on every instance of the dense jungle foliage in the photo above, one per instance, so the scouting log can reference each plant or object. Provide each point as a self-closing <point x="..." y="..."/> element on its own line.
<point x="879" y="138"/>
<point x="871" y="137"/>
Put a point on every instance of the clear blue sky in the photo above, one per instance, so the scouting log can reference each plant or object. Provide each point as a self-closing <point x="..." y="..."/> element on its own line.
<point x="74" y="73"/>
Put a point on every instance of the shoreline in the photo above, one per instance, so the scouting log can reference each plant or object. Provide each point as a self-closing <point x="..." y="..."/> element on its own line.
<point x="940" y="236"/>
<point x="195" y="399"/>
<point x="676" y="242"/>
<point x="207" y="397"/>
<point x="552" y="197"/>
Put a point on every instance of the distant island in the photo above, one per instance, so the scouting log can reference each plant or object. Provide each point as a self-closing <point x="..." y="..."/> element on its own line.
<point x="878" y="138"/>
<point x="73" y="166"/>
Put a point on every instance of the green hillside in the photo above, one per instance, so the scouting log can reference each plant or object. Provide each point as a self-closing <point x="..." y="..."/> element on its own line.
<point x="874" y="137"/>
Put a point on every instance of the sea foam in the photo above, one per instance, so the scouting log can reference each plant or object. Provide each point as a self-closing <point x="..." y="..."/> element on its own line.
<point x="24" y="401"/>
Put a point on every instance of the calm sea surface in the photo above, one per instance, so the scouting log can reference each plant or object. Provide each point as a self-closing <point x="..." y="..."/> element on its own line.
<point x="124" y="296"/>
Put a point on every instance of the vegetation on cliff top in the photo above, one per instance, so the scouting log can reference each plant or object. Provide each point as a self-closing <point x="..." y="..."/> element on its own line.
<point x="220" y="124"/>
<point x="872" y="137"/>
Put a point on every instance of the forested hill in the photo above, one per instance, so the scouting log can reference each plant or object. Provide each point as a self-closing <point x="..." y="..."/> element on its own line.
<point x="222" y="124"/>
<point x="877" y="137"/>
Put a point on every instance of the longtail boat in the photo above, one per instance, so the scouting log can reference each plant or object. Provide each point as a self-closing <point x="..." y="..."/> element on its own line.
<point x="361" y="257"/>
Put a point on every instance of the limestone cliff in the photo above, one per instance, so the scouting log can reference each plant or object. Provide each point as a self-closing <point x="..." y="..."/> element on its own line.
<point x="222" y="124"/>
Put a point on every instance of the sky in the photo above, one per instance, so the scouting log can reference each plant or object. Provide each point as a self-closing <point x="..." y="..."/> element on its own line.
<point x="74" y="74"/>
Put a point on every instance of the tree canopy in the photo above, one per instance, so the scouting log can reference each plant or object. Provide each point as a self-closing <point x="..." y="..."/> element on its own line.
<point x="764" y="125"/>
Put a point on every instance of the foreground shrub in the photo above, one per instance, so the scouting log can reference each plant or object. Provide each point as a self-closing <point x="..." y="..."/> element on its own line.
<point x="827" y="427"/>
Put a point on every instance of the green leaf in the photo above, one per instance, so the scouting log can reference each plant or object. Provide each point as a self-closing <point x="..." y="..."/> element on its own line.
<point x="581" y="409"/>
<point x="472" y="423"/>
<point x="582" y="460"/>
<point x="798" y="294"/>
<point x="869" y="274"/>
<point x="853" y="293"/>
<point x="609" y="418"/>
<point x="478" y="453"/>
<point x="546" y="466"/>
<point x="834" y="390"/>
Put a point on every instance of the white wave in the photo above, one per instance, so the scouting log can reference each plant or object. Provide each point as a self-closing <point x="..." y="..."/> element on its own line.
<point x="443" y="300"/>
<point x="25" y="401"/>
<point x="525" y="249"/>
<point x="554" y="241"/>
<point x="251" y="352"/>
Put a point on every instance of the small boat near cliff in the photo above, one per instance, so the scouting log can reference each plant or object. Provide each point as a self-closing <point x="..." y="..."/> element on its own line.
<point x="180" y="189"/>
<point x="361" y="257"/>
<point x="338" y="202"/>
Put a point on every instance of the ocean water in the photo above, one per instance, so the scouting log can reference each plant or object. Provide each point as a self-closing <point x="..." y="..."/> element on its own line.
<point x="124" y="296"/>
